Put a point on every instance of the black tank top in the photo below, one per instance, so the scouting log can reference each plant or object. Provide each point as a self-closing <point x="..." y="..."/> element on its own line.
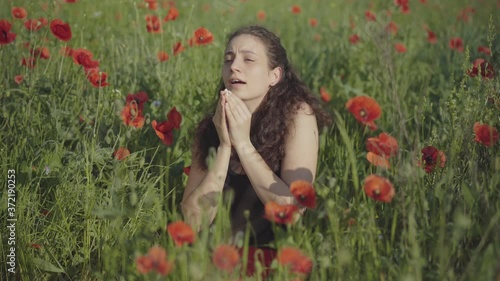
<point x="245" y="198"/>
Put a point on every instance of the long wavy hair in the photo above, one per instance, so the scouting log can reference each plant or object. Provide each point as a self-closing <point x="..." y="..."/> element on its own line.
<point x="272" y="119"/>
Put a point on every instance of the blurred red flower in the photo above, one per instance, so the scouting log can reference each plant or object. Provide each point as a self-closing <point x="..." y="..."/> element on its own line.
<point x="132" y="115"/>
<point x="304" y="193"/>
<point x="379" y="188"/>
<point x="226" y="257"/>
<point x="162" y="56"/>
<point x="181" y="233"/>
<point x="138" y="99"/>
<point x="483" y="67"/>
<point x="175" y="117"/>
<point x="61" y="30"/>
<point x="178" y="48"/>
<point x="83" y="57"/>
<point x="164" y="130"/>
<point x="35" y="24"/>
<point x="377" y="160"/>
<point x="152" y="4"/>
<point x="484" y="49"/>
<point x="202" y="36"/>
<point x="97" y="77"/>
<point x="403" y="5"/>
<point x="28" y="62"/>
<point x="19" y="12"/>
<point x="18" y="79"/>
<point x="383" y="145"/>
<point x="465" y="13"/>
<point x="6" y="37"/>
<point x="294" y="259"/>
<point x="121" y="153"/>
<point x="400" y="47"/>
<point x="153" y="24"/>
<point x="280" y="214"/>
<point x="456" y="44"/>
<point x="431" y="37"/>
<point x="313" y="22"/>
<point x="325" y="96"/>
<point x="187" y="170"/>
<point x="70" y="1"/>
<point x="261" y="15"/>
<point x="173" y="13"/>
<point x="431" y="157"/>
<point x="36" y="246"/>
<point x="392" y="27"/>
<point x="370" y="16"/>
<point x="154" y="260"/>
<point x="365" y="109"/>
<point x="485" y="134"/>
<point x="296" y="9"/>
<point x="41" y="52"/>
<point x="354" y="39"/>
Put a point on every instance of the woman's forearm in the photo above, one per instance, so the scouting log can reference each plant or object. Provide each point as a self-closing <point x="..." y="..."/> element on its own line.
<point x="203" y="200"/>
<point x="267" y="185"/>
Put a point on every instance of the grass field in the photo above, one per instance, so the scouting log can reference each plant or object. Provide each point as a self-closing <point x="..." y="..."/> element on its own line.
<point x="73" y="209"/>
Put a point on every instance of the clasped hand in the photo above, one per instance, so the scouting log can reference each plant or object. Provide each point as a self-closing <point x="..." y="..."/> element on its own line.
<point x="232" y="120"/>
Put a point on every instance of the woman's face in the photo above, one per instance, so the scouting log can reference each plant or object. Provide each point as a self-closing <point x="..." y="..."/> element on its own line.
<point x="246" y="72"/>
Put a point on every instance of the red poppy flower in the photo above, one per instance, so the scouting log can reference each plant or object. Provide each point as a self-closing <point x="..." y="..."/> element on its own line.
<point x="431" y="37"/>
<point x="226" y="257"/>
<point x="483" y="67"/>
<point x="6" y="37"/>
<point x="456" y="44"/>
<point x="261" y="15"/>
<point x="153" y="24"/>
<point x="485" y="134"/>
<point x="175" y="117"/>
<point x="178" y="48"/>
<point x="164" y="130"/>
<point x="294" y="259"/>
<point x="154" y="260"/>
<point x="139" y="99"/>
<point x="281" y="214"/>
<point x="400" y="47"/>
<point x="325" y="96"/>
<point x="431" y="157"/>
<point x="41" y="52"/>
<point x="383" y="145"/>
<point x="121" y="153"/>
<point x="60" y="29"/>
<point x="36" y="246"/>
<point x="70" y="1"/>
<point x="152" y="4"/>
<point x="83" y="57"/>
<point x="296" y="9"/>
<point x="403" y="5"/>
<point x="392" y="27"/>
<point x="304" y="193"/>
<point x="354" y="39"/>
<point x="370" y="16"/>
<point x="365" y="110"/>
<point x="313" y="22"/>
<point x="97" y="77"/>
<point x="19" y="12"/>
<point x="28" y="62"/>
<point x="173" y="13"/>
<point x="202" y="36"/>
<point x="484" y="49"/>
<point x="187" y="170"/>
<point x="18" y="79"/>
<point x="181" y="233"/>
<point x="132" y="115"/>
<point x="162" y="56"/>
<point x="377" y="160"/>
<point x="379" y="188"/>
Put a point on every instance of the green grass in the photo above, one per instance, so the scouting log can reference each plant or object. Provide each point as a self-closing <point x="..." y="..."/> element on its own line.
<point x="104" y="213"/>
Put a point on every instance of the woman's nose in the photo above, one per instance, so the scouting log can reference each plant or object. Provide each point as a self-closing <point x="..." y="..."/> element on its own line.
<point x="235" y="65"/>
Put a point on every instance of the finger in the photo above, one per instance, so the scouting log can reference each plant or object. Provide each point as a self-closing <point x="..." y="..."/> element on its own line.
<point x="239" y="105"/>
<point x="230" y="116"/>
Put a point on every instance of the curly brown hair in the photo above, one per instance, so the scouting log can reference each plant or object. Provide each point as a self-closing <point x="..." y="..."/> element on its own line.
<point x="271" y="120"/>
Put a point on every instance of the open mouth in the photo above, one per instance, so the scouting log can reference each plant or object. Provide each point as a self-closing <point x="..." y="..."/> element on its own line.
<point x="237" y="81"/>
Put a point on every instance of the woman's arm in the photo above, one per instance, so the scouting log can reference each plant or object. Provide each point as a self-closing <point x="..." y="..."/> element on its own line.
<point x="203" y="188"/>
<point x="301" y="154"/>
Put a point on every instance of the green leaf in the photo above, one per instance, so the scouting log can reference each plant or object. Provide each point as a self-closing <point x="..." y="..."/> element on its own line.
<point x="46" y="266"/>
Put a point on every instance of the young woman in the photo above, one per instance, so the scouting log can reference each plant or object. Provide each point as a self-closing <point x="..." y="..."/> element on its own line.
<point x="265" y="132"/>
